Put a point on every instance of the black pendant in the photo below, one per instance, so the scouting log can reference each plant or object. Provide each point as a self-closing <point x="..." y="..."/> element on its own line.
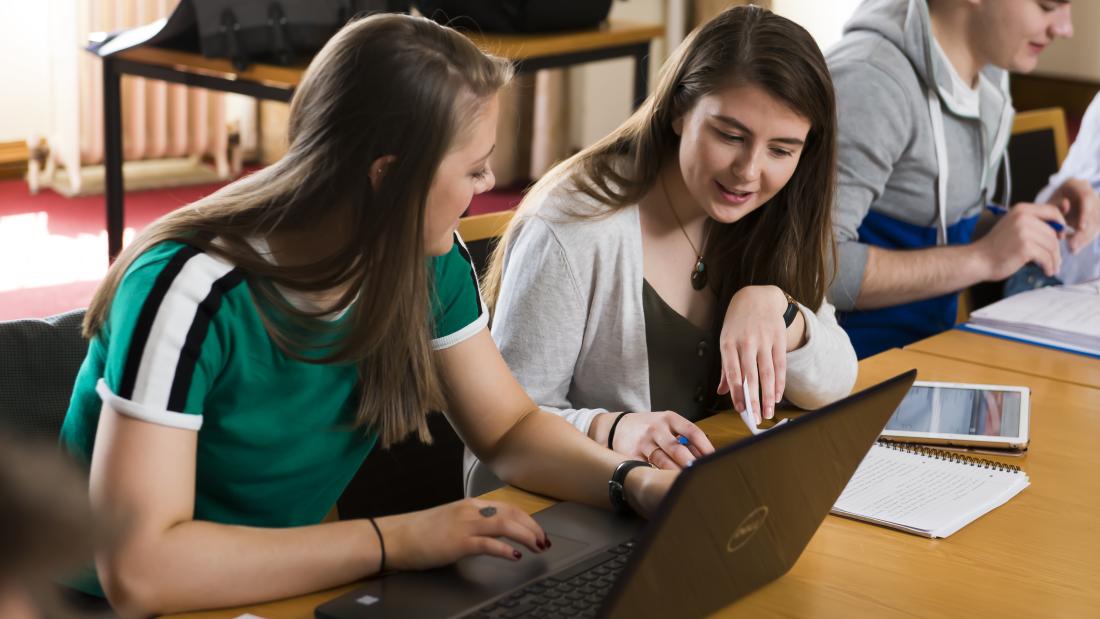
<point x="699" y="275"/>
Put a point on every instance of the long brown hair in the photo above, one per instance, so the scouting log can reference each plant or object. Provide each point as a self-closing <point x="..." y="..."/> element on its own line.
<point x="789" y="241"/>
<point x="385" y="85"/>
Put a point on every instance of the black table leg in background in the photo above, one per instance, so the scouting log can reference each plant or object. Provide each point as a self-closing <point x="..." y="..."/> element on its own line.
<point x="112" y="165"/>
<point x="113" y="70"/>
<point x="641" y="74"/>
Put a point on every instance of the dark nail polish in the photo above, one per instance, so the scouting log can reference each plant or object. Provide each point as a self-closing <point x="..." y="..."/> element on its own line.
<point x="547" y="542"/>
<point x="517" y="554"/>
<point x="541" y="545"/>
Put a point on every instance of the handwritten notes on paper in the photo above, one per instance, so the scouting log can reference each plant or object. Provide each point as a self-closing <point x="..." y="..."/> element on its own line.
<point x="925" y="493"/>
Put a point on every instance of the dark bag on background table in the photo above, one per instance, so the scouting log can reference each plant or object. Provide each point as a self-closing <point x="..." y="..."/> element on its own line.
<point x="245" y="31"/>
<point x="516" y="15"/>
<point x="279" y="31"/>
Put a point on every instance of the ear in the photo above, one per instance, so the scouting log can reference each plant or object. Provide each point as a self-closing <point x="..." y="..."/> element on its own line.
<point x="378" y="169"/>
<point x="678" y="125"/>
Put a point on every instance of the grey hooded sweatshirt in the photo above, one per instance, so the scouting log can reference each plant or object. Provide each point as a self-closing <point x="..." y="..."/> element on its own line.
<point x="918" y="158"/>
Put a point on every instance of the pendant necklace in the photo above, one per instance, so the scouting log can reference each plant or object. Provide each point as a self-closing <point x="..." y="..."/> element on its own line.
<point x="699" y="273"/>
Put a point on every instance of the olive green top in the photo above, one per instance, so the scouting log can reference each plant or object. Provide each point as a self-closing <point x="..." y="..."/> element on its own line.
<point x="683" y="359"/>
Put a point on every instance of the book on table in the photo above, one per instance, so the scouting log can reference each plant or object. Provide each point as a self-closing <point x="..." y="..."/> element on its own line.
<point x="1063" y="317"/>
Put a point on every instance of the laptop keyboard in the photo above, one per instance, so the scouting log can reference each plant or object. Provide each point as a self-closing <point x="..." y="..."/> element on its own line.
<point x="574" y="592"/>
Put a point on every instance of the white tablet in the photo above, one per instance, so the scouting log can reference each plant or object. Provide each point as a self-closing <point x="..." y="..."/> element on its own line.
<point x="962" y="414"/>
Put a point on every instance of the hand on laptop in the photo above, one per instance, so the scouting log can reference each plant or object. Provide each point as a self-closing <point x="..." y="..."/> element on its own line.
<point x="442" y="535"/>
<point x="664" y="439"/>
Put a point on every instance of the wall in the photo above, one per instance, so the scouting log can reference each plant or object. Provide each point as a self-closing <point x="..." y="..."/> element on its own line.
<point x="823" y="19"/>
<point x="600" y="92"/>
<point x="24" y="46"/>
<point x="1076" y="58"/>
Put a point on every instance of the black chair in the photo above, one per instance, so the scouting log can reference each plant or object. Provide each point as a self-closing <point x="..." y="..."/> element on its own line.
<point x="39" y="360"/>
<point x="1036" y="150"/>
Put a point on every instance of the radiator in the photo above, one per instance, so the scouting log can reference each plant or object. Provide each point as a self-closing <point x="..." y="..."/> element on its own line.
<point x="161" y="123"/>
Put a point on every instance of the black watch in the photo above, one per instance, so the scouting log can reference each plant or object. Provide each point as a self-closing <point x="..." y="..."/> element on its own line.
<point x="791" y="311"/>
<point x="616" y="488"/>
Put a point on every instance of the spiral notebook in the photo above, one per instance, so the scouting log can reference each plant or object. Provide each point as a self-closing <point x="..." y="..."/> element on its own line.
<point x="924" y="491"/>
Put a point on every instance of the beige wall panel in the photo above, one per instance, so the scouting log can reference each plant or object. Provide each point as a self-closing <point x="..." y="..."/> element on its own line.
<point x="1077" y="58"/>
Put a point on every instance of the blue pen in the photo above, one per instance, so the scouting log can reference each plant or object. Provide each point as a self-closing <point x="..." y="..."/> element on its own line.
<point x="998" y="210"/>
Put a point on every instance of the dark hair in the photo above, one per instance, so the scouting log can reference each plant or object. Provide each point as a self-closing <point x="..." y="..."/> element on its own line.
<point x="385" y="85"/>
<point x="788" y="242"/>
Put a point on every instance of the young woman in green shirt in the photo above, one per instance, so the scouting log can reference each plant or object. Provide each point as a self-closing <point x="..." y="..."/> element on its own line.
<point x="247" y="351"/>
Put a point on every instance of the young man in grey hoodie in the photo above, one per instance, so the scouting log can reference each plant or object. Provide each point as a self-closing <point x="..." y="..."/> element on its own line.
<point x="925" y="114"/>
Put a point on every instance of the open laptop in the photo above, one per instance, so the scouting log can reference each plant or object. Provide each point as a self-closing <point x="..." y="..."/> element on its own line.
<point x="734" y="521"/>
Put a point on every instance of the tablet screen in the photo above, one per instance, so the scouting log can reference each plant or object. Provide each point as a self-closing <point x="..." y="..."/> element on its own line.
<point x="946" y="410"/>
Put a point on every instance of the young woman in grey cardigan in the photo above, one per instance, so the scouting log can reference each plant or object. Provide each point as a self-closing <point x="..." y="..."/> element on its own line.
<point x="685" y="252"/>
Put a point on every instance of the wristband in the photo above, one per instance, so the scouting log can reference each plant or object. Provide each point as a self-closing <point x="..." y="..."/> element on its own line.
<point x="615" y="424"/>
<point x="381" y="545"/>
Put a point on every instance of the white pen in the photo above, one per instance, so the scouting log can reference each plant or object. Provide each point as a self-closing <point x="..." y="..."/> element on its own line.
<point x="748" y="417"/>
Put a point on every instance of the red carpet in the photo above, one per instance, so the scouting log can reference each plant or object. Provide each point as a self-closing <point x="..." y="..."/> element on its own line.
<point x="53" y="249"/>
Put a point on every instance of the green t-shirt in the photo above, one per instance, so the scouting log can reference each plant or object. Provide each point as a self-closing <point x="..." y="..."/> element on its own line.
<point x="184" y="346"/>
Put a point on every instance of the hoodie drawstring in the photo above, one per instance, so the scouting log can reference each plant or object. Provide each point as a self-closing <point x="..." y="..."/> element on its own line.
<point x="939" y="139"/>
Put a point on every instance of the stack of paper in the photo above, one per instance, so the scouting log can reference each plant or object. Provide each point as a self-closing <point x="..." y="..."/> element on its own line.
<point x="927" y="492"/>
<point x="1066" y="317"/>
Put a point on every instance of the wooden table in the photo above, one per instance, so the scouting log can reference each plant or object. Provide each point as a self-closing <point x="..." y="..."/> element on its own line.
<point x="529" y="53"/>
<point x="998" y="352"/>
<point x="1039" y="554"/>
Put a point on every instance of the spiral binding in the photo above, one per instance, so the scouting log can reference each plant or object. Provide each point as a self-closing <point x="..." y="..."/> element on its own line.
<point x="940" y="454"/>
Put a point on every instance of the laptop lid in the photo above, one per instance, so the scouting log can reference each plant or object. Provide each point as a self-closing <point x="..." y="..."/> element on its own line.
<point x="740" y="517"/>
<point x="734" y="521"/>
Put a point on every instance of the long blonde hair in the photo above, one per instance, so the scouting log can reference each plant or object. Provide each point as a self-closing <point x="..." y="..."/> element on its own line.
<point x="789" y="241"/>
<point x="385" y="85"/>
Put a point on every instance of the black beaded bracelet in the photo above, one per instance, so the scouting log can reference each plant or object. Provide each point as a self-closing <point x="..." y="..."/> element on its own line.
<point x="381" y="545"/>
<point x="615" y="424"/>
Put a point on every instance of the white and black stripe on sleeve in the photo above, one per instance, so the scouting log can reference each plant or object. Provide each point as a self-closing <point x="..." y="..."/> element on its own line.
<point x="168" y="336"/>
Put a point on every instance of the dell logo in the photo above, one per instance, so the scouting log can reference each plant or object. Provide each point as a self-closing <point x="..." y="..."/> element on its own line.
<point x="748" y="527"/>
